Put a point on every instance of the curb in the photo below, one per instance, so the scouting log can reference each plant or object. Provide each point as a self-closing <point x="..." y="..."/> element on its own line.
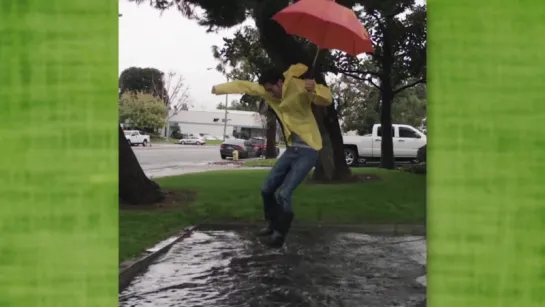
<point x="132" y="268"/>
<point x="373" y="229"/>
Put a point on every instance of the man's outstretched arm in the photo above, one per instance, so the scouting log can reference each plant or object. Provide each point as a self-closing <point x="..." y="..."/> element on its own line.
<point x="240" y="87"/>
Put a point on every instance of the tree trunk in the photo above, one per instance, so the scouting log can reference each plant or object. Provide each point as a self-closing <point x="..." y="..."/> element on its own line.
<point x="325" y="168"/>
<point x="332" y="164"/>
<point x="284" y="50"/>
<point x="387" y="147"/>
<point x="270" y="153"/>
<point x="134" y="186"/>
<point x="387" y="96"/>
<point x="334" y="140"/>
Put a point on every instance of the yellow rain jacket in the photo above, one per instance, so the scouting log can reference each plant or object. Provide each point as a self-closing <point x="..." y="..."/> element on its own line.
<point x="294" y="109"/>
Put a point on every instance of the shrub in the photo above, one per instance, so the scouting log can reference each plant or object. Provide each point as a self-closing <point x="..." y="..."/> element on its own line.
<point x="420" y="168"/>
<point x="175" y="131"/>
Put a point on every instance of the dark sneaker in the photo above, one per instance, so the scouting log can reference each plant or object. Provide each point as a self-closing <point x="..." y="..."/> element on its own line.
<point x="270" y="216"/>
<point x="265" y="231"/>
<point x="276" y="240"/>
<point x="281" y="229"/>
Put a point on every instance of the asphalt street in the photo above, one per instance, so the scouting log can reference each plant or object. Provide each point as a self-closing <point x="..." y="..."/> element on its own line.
<point x="162" y="160"/>
<point x="160" y="155"/>
<point x="171" y="159"/>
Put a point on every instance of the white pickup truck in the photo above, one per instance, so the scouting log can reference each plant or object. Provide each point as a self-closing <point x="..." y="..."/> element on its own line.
<point x="407" y="140"/>
<point x="134" y="137"/>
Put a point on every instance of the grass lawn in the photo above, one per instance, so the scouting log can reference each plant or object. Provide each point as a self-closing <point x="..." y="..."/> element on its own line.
<point x="234" y="196"/>
<point x="213" y="142"/>
<point x="156" y="140"/>
<point x="260" y="163"/>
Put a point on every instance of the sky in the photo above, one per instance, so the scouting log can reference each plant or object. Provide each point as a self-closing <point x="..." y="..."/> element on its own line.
<point x="171" y="43"/>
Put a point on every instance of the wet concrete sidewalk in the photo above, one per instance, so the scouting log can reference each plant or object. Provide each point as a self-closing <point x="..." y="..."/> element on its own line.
<point x="231" y="268"/>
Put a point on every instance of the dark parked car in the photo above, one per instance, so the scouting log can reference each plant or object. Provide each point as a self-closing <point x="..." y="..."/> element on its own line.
<point x="260" y="146"/>
<point x="245" y="148"/>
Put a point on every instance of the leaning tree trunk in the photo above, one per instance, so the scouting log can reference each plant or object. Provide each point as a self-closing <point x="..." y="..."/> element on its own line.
<point x="270" y="153"/>
<point x="284" y="50"/>
<point x="135" y="187"/>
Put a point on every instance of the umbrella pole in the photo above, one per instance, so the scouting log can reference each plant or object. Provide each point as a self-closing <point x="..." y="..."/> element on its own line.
<point x="314" y="62"/>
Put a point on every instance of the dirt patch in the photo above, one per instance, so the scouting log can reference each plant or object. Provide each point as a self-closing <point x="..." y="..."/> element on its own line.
<point x="352" y="179"/>
<point x="174" y="199"/>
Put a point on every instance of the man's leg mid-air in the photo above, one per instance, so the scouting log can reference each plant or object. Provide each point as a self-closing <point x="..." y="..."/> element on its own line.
<point x="305" y="159"/>
<point x="273" y="181"/>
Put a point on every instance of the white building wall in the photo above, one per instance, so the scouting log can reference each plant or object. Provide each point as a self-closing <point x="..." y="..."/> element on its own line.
<point x="214" y="130"/>
<point x="212" y="122"/>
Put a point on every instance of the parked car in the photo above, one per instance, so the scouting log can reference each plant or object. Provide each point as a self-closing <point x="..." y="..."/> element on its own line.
<point x="245" y="148"/>
<point x="134" y="137"/>
<point x="196" y="140"/>
<point x="260" y="146"/>
<point x="361" y="149"/>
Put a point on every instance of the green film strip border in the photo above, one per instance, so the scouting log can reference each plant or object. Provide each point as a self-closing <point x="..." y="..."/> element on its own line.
<point x="58" y="167"/>
<point x="486" y="116"/>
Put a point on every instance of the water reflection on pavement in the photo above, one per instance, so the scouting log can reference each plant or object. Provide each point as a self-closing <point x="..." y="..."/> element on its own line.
<point x="231" y="268"/>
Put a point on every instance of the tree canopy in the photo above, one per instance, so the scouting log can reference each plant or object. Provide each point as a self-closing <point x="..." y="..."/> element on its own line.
<point x="359" y="105"/>
<point x="237" y="105"/>
<point x="142" y="111"/>
<point x="145" y="80"/>
<point x="242" y="58"/>
<point x="397" y="28"/>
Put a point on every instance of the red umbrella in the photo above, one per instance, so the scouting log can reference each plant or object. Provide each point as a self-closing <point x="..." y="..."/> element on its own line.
<point x="327" y="24"/>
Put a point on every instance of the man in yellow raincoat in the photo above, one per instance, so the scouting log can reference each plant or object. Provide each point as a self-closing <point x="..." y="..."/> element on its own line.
<point x="291" y="98"/>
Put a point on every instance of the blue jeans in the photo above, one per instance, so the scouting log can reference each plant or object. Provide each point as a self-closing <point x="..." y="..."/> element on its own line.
<point x="289" y="171"/>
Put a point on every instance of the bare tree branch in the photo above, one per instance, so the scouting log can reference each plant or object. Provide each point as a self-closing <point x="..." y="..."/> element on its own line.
<point x="363" y="79"/>
<point x="404" y="87"/>
<point x="359" y="72"/>
<point x="372" y="83"/>
<point x="177" y="93"/>
<point x="354" y="76"/>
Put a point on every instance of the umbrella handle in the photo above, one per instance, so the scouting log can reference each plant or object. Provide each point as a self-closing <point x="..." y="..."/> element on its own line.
<point x="311" y="75"/>
<point x="314" y="62"/>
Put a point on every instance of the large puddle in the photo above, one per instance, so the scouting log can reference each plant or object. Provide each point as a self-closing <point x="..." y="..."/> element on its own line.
<point x="231" y="268"/>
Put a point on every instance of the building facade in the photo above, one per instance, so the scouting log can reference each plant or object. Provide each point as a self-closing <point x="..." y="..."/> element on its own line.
<point x="240" y="124"/>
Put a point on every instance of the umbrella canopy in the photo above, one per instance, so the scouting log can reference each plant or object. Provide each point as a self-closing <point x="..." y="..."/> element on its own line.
<point x="327" y="24"/>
